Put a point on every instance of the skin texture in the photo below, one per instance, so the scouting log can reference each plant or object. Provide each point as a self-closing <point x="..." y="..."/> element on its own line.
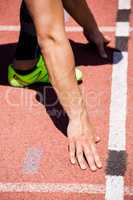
<point x="84" y="19"/>
<point x="58" y="54"/>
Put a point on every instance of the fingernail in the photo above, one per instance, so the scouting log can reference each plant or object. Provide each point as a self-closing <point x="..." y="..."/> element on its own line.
<point x="84" y="167"/>
<point x="73" y="162"/>
<point x="97" y="139"/>
<point x="99" y="165"/>
<point x="94" y="169"/>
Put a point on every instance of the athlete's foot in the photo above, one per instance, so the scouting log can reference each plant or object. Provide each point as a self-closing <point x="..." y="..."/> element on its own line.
<point x="99" y="40"/>
<point x="21" y="77"/>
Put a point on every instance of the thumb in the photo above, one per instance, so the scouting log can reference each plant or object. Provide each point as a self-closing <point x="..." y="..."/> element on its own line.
<point x="97" y="139"/>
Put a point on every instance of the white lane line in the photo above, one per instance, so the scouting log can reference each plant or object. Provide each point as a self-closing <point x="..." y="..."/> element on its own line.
<point x="101" y="28"/>
<point x="118" y="106"/>
<point x="114" y="188"/>
<point x="73" y="29"/>
<point x="80" y="29"/>
<point x="118" y="109"/>
<point x="16" y="28"/>
<point x="9" y="28"/>
<point x="49" y="187"/>
<point x="124" y="4"/>
<point x="62" y="187"/>
<point x="122" y="29"/>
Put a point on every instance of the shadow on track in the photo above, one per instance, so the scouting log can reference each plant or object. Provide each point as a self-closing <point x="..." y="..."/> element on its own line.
<point x="85" y="54"/>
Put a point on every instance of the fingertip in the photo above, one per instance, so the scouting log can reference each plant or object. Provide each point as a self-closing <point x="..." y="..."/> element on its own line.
<point x="73" y="161"/>
<point x="94" y="169"/>
<point x="97" y="139"/>
<point x="99" y="165"/>
<point x="84" y="167"/>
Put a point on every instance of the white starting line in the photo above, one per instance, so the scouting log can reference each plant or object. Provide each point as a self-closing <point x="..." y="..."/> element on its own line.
<point x="118" y="107"/>
<point x="16" y="28"/>
<point x="55" y="187"/>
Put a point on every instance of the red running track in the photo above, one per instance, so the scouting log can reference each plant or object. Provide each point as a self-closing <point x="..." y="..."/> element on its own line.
<point x="27" y="129"/>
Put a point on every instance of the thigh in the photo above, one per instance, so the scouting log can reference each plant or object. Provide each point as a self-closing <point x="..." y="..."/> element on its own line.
<point x="46" y="14"/>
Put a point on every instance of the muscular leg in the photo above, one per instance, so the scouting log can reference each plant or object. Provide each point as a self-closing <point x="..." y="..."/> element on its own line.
<point x="49" y="22"/>
<point x="27" y="48"/>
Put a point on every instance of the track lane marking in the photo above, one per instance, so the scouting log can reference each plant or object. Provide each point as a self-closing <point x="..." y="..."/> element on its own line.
<point x="16" y="28"/>
<point x="124" y="4"/>
<point x="61" y="187"/>
<point x="118" y="109"/>
<point x="122" y="29"/>
<point x="118" y="104"/>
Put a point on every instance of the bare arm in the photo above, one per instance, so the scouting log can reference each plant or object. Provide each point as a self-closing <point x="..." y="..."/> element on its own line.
<point x="48" y="18"/>
<point x="82" y="14"/>
<point x="80" y="11"/>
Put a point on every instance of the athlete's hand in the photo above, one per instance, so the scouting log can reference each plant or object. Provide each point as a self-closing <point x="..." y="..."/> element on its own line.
<point x="82" y="143"/>
<point x="99" y="40"/>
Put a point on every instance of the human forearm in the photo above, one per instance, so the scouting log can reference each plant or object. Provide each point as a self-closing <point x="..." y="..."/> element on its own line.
<point x="84" y="17"/>
<point x="61" y="68"/>
<point x="55" y="47"/>
<point x="82" y="14"/>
